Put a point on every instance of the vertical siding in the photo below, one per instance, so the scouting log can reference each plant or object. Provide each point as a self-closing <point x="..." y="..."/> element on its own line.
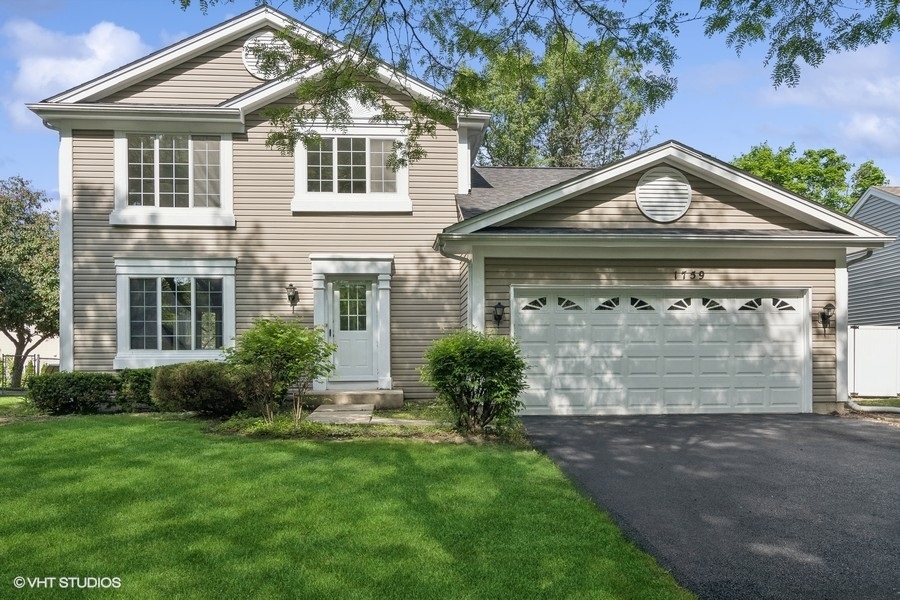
<point x="501" y="273"/>
<point x="272" y="247"/>
<point x="614" y="206"/>
<point x="208" y="79"/>
<point x="875" y="282"/>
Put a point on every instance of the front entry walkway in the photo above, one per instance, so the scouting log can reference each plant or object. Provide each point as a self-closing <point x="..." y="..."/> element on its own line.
<point x="357" y="414"/>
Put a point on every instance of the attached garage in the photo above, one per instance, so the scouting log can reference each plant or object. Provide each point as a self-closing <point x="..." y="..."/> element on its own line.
<point x="638" y="350"/>
<point x="667" y="282"/>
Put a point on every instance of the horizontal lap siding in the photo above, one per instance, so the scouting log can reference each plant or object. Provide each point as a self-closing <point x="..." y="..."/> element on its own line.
<point x="500" y="273"/>
<point x="614" y="206"/>
<point x="875" y="282"/>
<point x="208" y="79"/>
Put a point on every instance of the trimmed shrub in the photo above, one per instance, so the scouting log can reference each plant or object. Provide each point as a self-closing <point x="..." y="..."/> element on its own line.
<point x="276" y="355"/>
<point x="206" y="387"/>
<point x="134" y="389"/>
<point x="479" y="376"/>
<point x="72" y="392"/>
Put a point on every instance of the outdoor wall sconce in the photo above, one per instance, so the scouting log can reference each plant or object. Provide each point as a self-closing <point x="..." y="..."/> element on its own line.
<point x="826" y="316"/>
<point x="293" y="296"/>
<point x="498" y="313"/>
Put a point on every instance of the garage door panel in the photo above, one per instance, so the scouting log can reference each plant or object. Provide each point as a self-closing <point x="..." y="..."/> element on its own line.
<point x="649" y="354"/>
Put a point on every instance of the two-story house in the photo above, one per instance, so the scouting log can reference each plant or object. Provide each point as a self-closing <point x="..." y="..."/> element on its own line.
<point x="666" y="282"/>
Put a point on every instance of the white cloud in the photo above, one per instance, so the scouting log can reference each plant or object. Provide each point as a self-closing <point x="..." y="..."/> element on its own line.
<point x="873" y="131"/>
<point x="48" y="62"/>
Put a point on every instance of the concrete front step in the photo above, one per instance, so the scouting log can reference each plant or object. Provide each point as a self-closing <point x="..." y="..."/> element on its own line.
<point x="342" y="413"/>
<point x="377" y="398"/>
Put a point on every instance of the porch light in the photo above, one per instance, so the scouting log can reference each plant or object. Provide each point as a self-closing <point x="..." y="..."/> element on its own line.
<point x="293" y="296"/>
<point x="826" y="316"/>
<point x="498" y="313"/>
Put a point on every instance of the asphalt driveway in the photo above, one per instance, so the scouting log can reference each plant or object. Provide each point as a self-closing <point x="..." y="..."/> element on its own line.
<point x="798" y="506"/>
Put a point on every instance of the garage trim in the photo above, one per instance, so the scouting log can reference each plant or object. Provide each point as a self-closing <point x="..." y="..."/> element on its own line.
<point x="518" y="291"/>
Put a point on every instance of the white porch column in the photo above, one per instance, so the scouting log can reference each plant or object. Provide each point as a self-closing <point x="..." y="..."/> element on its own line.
<point x="319" y="318"/>
<point x="383" y="334"/>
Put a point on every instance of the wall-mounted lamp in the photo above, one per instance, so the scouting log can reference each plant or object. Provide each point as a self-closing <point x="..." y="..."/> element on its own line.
<point x="293" y="296"/>
<point x="498" y="313"/>
<point x="826" y="316"/>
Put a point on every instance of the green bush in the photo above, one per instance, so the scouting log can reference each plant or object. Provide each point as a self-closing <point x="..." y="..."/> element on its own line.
<point x="27" y="373"/>
<point x="134" y="389"/>
<point x="72" y="392"/>
<point x="479" y="376"/>
<point x="276" y="355"/>
<point x="206" y="387"/>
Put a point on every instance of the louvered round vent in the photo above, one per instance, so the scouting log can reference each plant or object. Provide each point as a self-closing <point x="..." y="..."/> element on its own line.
<point x="663" y="195"/>
<point x="254" y="43"/>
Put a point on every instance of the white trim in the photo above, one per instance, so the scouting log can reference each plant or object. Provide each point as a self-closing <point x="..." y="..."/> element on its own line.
<point x="463" y="167"/>
<point x="151" y="216"/>
<point x="873" y="192"/>
<point x="376" y="267"/>
<point x="66" y="257"/>
<point x="161" y="119"/>
<point x="159" y="267"/>
<point x="684" y="158"/>
<point x="370" y="202"/>
<point x="841" y="300"/>
<point x="476" y="291"/>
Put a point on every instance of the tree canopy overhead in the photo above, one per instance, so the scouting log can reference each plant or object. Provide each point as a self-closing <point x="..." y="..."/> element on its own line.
<point x="444" y="43"/>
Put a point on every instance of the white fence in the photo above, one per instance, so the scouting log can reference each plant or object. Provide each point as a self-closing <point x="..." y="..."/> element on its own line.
<point x="874" y="360"/>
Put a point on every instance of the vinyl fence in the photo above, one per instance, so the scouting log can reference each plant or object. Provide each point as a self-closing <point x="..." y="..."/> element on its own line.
<point x="874" y="360"/>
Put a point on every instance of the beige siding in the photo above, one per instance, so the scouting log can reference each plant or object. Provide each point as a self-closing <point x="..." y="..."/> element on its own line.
<point x="500" y="274"/>
<point x="208" y="79"/>
<point x="272" y="246"/>
<point x="613" y="206"/>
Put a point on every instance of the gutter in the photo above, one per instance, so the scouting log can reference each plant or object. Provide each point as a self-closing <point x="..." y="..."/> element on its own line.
<point x="852" y="261"/>
<point x="439" y="246"/>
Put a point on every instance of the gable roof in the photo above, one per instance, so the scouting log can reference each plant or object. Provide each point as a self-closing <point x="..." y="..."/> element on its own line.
<point x="677" y="155"/>
<point x="881" y="192"/>
<point x="493" y="187"/>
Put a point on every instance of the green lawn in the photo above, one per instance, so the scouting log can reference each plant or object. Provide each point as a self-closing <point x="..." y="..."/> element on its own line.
<point x="878" y="401"/>
<point x="176" y="512"/>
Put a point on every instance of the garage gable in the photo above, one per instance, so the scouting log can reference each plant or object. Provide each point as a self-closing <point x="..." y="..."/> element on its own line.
<point x="665" y="185"/>
<point x="616" y="205"/>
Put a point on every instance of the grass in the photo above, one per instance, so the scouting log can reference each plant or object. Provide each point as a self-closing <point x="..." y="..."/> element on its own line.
<point x="177" y="512"/>
<point x="16" y="406"/>
<point x="430" y="411"/>
<point x="878" y="401"/>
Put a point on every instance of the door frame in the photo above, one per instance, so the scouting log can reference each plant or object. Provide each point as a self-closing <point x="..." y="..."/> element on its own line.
<point x="377" y="268"/>
<point x="332" y="317"/>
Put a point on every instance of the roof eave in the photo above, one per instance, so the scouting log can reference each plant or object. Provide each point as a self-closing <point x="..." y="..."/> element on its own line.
<point x="113" y="116"/>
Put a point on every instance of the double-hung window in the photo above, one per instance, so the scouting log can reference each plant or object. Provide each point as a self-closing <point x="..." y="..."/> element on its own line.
<point x="173" y="310"/>
<point x="349" y="174"/>
<point x="173" y="179"/>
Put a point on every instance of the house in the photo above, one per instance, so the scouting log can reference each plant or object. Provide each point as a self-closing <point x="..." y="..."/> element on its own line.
<point x="666" y="282"/>
<point x="874" y="300"/>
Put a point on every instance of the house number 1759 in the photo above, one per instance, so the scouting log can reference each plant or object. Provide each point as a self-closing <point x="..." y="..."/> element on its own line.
<point x="689" y="274"/>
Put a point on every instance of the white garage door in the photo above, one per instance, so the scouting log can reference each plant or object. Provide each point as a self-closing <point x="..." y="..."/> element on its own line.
<point x="645" y="352"/>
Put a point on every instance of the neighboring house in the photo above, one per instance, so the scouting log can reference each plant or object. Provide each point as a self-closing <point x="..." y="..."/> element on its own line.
<point x="874" y="300"/>
<point x="875" y="282"/>
<point x="666" y="282"/>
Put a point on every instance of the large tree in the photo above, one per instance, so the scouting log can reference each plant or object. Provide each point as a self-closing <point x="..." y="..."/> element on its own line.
<point x="29" y="270"/>
<point x="437" y="40"/>
<point x="575" y="106"/>
<point x="824" y="175"/>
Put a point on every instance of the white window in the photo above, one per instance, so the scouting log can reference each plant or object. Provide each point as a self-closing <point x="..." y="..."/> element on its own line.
<point x="349" y="174"/>
<point x="173" y="311"/>
<point x="173" y="180"/>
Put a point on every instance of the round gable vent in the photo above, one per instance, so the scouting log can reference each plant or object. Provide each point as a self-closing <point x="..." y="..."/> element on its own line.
<point x="663" y="195"/>
<point x="252" y="59"/>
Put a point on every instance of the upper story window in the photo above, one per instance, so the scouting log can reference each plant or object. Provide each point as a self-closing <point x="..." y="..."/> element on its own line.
<point x="175" y="171"/>
<point x="173" y="180"/>
<point x="350" y="174"/>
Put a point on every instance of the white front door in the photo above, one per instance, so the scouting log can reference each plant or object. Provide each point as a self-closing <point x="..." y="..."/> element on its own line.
<point x="351" y="329"/>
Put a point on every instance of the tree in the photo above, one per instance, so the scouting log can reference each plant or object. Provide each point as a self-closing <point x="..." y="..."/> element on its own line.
<point x="820" y="175"/>
<point x="436" y="40"/>
<point x="29" y="270"/>
<point x="576" y="106"/>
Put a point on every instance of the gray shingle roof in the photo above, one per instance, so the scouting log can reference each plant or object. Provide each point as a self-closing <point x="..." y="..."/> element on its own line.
<point x="495" y="186"/>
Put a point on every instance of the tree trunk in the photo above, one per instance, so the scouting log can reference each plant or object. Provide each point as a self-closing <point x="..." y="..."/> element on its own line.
<point x="18" y="367"/>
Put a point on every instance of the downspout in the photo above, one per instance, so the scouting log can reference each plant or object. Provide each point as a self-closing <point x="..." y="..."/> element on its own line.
<point x="850" y="402"/>
<point x="459" y="257"/>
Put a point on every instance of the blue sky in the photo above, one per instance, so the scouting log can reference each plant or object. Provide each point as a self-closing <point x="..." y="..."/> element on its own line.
<point x="724" y="105"/>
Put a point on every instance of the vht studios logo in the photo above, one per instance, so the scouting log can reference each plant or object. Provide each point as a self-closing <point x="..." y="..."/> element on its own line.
<point x="68" y="582"/>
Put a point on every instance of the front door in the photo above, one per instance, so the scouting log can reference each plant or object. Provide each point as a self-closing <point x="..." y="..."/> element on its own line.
<point x="351" y="329"/>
